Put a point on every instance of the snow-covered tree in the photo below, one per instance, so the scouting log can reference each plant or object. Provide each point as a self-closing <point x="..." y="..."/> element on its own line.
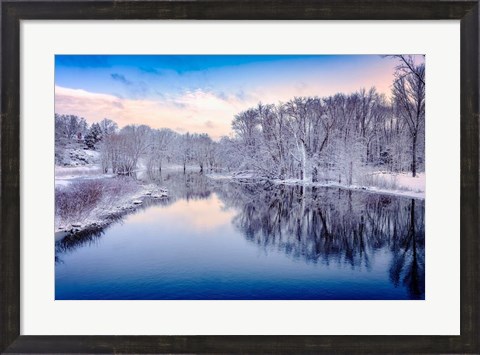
<point x="409" y="99"/>
<point x="343" y="137"/>
<point x="161" y="148"/>
<point x="203" y="149"/>
<point x="93" y="136"/>
<point x="70" y="126"/>
<point x="184" y="149"/>
<point x="122" y="150"/>
<point x="108" y="127"/>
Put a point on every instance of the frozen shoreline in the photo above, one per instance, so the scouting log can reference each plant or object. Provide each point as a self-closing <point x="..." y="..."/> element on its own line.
<point x="416" y="185"/>
<point x="114" y="207"/>
<point x="108" y="209"/>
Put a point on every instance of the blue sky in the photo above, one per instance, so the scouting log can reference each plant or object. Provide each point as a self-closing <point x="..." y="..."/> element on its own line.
<point x="201" y="93"/>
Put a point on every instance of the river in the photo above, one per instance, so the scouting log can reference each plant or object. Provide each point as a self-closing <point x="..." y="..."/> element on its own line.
<point x="224" y="240"/>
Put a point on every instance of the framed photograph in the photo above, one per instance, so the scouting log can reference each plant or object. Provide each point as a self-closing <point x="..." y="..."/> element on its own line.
<point x="199" y="177"/>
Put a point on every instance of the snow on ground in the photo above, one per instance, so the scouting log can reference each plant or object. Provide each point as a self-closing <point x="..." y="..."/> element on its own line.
<point x="398" y="181"/>
<point x="400" y="184"/>
<point x="62" y="171"/>
<point x="373" y="189"/>
<point x="412" y="183"/>
<point x="118" y="195"/>
<point x="178" y="167"/>
<point x="76" y="155"/>
<point x="236" y="175"/>
<point x="116" y="198"/>
<point x="66" y="175"/>
<point x="218" y="176"/>
<point x="62" y="183"/>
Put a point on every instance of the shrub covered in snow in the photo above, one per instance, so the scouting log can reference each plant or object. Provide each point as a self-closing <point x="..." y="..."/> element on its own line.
<point x="83" y="201"/>
<point x="75" y="154"/>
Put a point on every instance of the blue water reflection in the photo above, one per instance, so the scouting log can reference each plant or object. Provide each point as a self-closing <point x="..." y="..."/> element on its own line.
<point x="223" y="240"/>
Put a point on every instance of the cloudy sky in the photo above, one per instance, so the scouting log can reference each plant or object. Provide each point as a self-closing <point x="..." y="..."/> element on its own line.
<point x="202" y="93"/>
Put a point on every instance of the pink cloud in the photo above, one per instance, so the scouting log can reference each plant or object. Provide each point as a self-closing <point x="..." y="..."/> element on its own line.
<point x="202" y="111"/>
<point x="198" y="111"/>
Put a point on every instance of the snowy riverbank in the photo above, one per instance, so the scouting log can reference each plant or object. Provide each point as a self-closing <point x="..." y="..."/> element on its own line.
<point x="91" y="201"/>
<point x="86" y="199"/>
<point x="401" y="184"/>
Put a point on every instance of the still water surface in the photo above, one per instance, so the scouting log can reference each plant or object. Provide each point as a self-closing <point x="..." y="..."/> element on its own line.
<point x="225" y="240"/>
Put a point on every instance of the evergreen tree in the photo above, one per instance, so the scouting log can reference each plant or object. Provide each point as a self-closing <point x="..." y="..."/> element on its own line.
<point x="93" y="136"/>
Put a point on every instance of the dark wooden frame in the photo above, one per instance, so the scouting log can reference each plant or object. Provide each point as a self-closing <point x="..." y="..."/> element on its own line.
<point x="12" y="12"/>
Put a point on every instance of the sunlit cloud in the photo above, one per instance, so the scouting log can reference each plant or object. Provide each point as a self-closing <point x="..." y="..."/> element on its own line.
<point x="195" y="112"/>
<point x="203" y="94"/>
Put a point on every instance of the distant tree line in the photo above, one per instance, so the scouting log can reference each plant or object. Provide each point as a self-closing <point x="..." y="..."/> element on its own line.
<point x="337" y="137"/>
<point x="341" y="137"/>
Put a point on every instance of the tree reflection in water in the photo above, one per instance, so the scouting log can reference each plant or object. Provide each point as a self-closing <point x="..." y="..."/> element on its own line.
<point x="314" y="224"/>
<point x="333" y="225"/>
<point x="325" y="225"/>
